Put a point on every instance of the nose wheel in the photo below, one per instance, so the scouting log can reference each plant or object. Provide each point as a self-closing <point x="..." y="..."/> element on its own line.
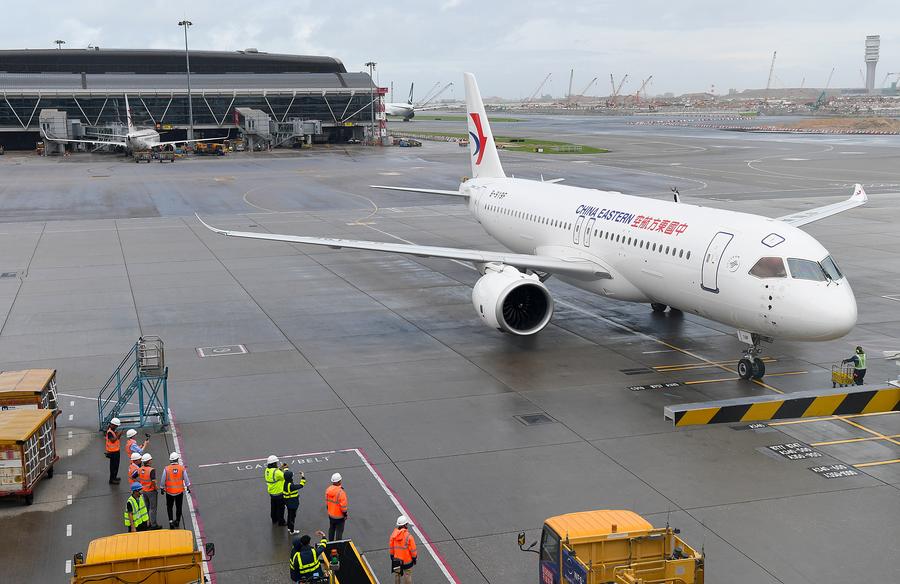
<point x="751" y="366"/>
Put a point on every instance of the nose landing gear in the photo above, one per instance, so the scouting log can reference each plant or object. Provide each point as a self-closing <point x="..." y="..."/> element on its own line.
<point x="751" y="366"/>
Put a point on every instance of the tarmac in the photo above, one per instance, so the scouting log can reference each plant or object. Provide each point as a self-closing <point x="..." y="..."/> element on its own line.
<point x="375" y="365"/>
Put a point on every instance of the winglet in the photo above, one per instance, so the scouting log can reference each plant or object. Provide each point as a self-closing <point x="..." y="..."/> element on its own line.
<point x="210" y="227"/>
<point x="859" y="194"/>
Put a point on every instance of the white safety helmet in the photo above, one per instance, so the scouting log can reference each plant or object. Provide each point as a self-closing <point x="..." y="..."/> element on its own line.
<point x="402" y="520"/>
<point x="336" y="478"/>
<point x="115" y="422"/>
<point x="272" y="459"/>
<point x="146" y="457"/>
<point x="131" y="433"/>
<point x="135" y="456"/>
<point x="173" y="457"/>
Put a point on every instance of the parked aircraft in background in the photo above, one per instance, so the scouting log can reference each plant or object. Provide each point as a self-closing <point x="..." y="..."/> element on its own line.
<point x="134" y="139"/>
<point x="763" y="276"/>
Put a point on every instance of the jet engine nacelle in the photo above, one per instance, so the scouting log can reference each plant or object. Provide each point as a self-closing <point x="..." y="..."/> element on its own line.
<point x="510" y="301"/>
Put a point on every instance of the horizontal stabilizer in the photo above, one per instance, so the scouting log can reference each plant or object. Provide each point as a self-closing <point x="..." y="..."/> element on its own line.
<point x="418" y="190"/>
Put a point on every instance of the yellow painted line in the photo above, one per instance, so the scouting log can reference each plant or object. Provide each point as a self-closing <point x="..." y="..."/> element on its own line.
<point x="869" y="430"/>
<point x="852" y="440"/>
<point x="828" y="418"/>
<point x="698" y="381"/>
<point x="687" y="366"/>
<point x="877" y="463"/>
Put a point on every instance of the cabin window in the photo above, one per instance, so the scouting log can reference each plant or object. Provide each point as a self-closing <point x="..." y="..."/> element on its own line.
<point x="595" y="233"/>
<point x="806" y="270"/>
<point x="688" y="256"/>
<point x="654" y="247"/>
<point x="768" y="267"/>
<point x="680" y="253"/>
<point x="667" y="250"/>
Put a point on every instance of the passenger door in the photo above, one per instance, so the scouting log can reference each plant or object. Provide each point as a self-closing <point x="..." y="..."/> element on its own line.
<point x="587" y="232"/>
<point x="709" y="277"/>
<point x="577" y="230"/>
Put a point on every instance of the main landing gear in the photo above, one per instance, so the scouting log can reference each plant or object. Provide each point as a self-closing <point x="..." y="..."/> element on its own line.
<point x="751" y="366"/>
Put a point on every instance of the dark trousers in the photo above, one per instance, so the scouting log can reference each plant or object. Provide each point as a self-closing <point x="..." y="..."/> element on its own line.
<point x="859" y="375"/>
<point x="113" y="464"/>
<point x="276" y="503"/>
<point x="176" y="501"/>
<point x="142" y="527"/>
<point x="336" y="528"/>
<point x="291" y="516"/>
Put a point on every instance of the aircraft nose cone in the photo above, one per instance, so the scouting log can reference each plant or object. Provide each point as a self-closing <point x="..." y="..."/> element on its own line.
<point x="844" y="311"/>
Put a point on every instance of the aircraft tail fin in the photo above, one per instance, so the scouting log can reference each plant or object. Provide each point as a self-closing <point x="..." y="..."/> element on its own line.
<point x="411" y="86"/>
<point x="485" y="160"/>
<point x="128" y="115"/>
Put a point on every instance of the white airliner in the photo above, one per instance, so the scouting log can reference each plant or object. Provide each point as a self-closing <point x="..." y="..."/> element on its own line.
<point x="763" y="276"/>
<point x="135" y="139"/>
<point x="406" y="110"/>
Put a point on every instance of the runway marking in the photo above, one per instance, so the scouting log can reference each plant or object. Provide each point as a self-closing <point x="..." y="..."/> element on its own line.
<point x="657" y="351"/>
<point x="68" y="566"/>
<point x="69" y="530"/>
<point x="69" y="475"/>
<point x="72" y="403"/>
<point x="853" y="440"/>
<point x="69" y="452"/>
<point x="71" y="417"/>
<point x="877" y="463"/>
<point x="68" y="499"/>
<point x="869" y="430"/>
<point x="208" y="571"/>
<point x="391" y="494"/>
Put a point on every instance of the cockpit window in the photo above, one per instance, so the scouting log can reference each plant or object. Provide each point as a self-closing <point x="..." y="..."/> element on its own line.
<point x="769" y="267"/>
<point x="806" y="270"/>
<point x="831" y="269"/>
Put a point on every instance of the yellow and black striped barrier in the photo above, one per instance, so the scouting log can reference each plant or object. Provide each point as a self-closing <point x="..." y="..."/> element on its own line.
<point x="804" y="404"/>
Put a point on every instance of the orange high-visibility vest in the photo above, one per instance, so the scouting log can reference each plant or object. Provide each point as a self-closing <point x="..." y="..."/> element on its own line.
<point x="112" y="445"/>
<point x="147" y="484"/>
<point x="402" y="546"/>
<point x="174" y="479"/>
<point x="336" y="501"/>
<point x="133" y="470"/>
<point x="131" y="442"/>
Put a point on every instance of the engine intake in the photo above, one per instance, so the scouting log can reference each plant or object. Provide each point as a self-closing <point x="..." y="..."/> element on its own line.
<point x="513" y="302"/>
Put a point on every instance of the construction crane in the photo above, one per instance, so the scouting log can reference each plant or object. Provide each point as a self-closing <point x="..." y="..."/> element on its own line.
<point x="616" y="88"/>
<point x="637" y="94"/>
<point x="427" y="97"/>
<point x="436" y="95"/>
<point x="771" y="74"/>
<point x="571" y="78"/>
<point x="821" y="100"/>
<point x="588" y="86"/>
<point x="538" y="90"/>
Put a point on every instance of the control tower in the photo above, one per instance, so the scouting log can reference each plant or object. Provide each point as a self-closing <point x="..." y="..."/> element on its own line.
<point x="873" y="43"/>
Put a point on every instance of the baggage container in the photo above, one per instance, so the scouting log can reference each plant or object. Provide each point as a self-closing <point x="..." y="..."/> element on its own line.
<point x="28" y="389"/>
<point x="27" y="451"/>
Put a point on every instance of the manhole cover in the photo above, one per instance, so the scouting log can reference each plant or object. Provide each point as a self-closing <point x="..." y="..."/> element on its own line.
<point x="222" y="351"/>
<point x="636" y="371"/>
<point x="534" y="419"/>
<point x="8" y="274"/>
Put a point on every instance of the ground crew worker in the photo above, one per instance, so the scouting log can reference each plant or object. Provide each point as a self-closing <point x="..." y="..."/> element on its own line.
<point x="402" y="549"/>
<point x="113" y="449"/>
<point x="174" y="483"/>
<point x="308" y="563"/>
<point x="134" y="467"/>
<point x="291" y="495"/>
<point x="147" y="478"/>
<point x="859" y="365"/>
<point x="274" y="476"/>
<point x="132" y="445"/>
<point x="136" y="516"/>
<point x="336" y="505"/>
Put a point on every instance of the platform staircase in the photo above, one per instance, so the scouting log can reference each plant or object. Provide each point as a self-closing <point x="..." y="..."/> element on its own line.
<point x="138" y="390"/>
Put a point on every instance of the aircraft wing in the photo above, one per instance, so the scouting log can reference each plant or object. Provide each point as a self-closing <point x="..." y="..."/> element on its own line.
<point x="172" y="142"/>
<point x="105" y="142"/>
<point x="418" y="190"/>
<point x="858" y="198"/>
<point x="573" y="266"/>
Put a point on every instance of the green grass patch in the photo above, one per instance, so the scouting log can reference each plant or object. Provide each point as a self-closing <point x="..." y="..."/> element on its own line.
<point x="521" y="144"/>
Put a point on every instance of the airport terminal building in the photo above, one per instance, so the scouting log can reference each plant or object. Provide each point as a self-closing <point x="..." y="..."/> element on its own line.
<point x="270" y="98"/>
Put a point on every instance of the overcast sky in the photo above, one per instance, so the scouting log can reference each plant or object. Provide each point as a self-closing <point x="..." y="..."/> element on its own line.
<point x="686" y="45"/>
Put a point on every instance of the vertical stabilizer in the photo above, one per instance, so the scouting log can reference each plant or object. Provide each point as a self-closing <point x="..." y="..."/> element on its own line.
<point x="411" y="86"/>
<point x="128" y="116"/>
<point x="485" y="160"/>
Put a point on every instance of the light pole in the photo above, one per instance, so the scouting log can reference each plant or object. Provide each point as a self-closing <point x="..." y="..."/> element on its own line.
<point x="371" y="66"/>
<point x="59" y="44"/>
<point x="187" y="60"/>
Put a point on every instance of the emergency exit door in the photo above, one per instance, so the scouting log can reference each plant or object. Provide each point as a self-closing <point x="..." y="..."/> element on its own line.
<point x="709" y="277"/>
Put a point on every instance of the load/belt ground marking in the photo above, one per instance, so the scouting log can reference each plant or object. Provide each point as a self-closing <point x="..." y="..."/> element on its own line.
<point x="394" y="498"/>
<point x="688" y="366"/>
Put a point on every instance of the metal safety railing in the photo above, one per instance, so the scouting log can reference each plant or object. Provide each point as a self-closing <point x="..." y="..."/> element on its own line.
<point x="142" y="373"/>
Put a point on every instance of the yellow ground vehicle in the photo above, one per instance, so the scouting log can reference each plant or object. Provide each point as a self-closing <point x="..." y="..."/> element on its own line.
<point x="27" y="450"/>
<point x="842" y="375"/>
<point x="209" y="149"/>
<point x="599" y="547"/>
<point x="150" y="557"/>
<point x="28" y="389"/>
